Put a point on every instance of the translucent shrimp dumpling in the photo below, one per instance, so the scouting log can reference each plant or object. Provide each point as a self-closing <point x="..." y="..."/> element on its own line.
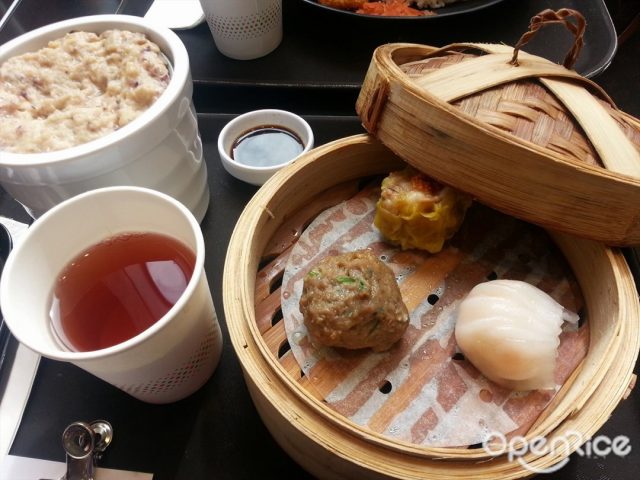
<point x="509" y="330"/>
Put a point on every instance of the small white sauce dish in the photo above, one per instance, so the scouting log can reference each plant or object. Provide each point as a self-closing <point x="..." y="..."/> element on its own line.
<point x="254" y="120"/>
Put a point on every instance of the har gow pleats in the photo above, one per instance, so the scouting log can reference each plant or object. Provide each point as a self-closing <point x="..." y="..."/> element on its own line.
<point x="509" y="330"/>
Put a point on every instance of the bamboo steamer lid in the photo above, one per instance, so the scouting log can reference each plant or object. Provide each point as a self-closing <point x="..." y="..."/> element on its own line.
<point x="523" y="135"/>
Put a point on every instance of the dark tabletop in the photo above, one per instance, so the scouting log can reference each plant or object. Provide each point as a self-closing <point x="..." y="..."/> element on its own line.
<point x="316" y="72"/>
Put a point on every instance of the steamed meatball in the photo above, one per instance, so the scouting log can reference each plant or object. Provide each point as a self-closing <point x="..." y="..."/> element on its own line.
<point x="353" y="301"/>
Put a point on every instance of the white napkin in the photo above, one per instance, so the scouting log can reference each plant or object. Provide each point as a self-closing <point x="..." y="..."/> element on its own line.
<point x="23" y="468"/>
<point x="16" y="229"/>
<point x="176" y="14"/>
<point x="23" y="371"/>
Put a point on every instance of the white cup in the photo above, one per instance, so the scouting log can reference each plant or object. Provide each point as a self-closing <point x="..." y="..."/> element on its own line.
<point x="167" y="362"/>
<point x="244" y="29"/>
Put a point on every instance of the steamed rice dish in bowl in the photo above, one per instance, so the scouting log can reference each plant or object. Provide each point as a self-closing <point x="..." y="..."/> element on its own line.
<point x="98" y="101"/>
<point x="78" y="88"/>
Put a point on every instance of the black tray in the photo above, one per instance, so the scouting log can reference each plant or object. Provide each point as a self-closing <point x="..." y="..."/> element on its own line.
<point x="326" y="53"/>
<point x="324" y="49"/>
<point x="216" y="433"/>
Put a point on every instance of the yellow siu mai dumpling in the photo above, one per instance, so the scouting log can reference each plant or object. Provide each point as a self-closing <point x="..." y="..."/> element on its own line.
<point x="415" y="211"/>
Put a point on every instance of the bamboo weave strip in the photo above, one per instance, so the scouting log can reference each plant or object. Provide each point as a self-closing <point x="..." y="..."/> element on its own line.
<point x="479" y="73"/>
<point x="616" y="151"/>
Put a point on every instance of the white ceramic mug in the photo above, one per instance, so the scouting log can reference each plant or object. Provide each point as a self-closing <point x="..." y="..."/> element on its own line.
<point x="161" y="149"/>
<point x="169" y="360"/>
<point x="244" y="29"/>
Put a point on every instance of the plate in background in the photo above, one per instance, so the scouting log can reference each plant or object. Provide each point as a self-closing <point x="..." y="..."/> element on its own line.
<point x="464" y="6"/>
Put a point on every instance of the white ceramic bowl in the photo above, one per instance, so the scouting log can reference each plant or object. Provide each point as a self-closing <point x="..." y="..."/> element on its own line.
<point x="161" y="149"/>
<point x="249" y="121"/>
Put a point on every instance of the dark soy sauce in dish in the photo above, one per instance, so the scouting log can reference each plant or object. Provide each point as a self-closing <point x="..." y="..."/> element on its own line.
<point x="266" y="146"/>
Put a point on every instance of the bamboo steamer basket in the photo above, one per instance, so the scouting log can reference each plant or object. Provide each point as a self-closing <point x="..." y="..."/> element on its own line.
<point x="524" y="135"/>
<point x="329" y="445"/>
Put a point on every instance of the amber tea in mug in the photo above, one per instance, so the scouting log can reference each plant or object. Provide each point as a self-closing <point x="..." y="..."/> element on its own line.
<point x="116" y="289"/>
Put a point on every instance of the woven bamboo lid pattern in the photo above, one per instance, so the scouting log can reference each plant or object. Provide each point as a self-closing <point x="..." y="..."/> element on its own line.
<point x="522" y="134"/>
